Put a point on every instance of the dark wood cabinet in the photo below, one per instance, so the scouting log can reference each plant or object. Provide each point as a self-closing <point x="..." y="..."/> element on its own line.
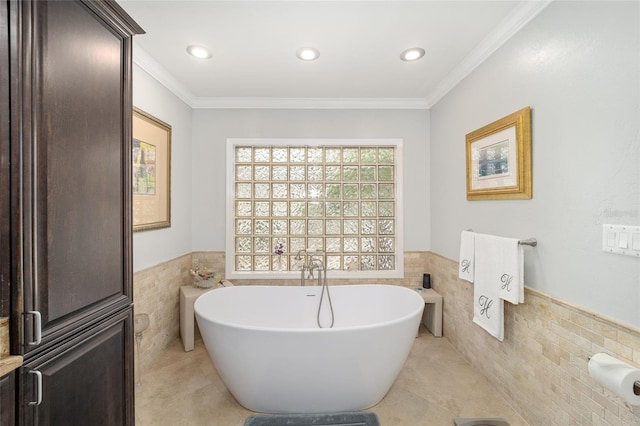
<point x="65" y="214"/>
<point x="7" y="399"/>
<point x="87" y="380"/>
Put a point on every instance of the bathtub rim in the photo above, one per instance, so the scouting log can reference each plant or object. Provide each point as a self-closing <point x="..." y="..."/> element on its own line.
<point x="403" y="318"/>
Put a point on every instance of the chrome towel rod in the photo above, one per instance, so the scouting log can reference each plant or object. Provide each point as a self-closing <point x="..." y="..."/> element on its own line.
<point x="528" y="242"/>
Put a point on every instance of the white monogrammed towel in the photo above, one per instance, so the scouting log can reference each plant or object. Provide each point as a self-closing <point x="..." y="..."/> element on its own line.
<point x="511" y="260"/>
<point x="467" y="254"/>
<point x="488" y="307"/>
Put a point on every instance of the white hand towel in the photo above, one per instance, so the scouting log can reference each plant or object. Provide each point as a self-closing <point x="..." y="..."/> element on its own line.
<point x="511" y="258"/>
<point x="488" y="308"/>
<point x="467" y="255"/>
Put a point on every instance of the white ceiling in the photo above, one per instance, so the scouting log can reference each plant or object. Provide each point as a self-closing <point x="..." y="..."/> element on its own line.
<point x="254" y="45"/>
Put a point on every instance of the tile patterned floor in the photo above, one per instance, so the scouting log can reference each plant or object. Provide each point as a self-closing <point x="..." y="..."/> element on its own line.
<point x="435" y="386"/>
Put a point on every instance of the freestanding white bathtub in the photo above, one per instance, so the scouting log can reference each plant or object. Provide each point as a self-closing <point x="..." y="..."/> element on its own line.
<point x="273" y="357"/>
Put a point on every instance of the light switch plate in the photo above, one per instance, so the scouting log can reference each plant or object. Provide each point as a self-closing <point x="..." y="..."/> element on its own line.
<point x="621" y="239"/>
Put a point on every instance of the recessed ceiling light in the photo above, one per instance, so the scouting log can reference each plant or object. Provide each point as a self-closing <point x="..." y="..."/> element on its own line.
<point x="308" y="53"/>
<point x="199" y="51"/>
<point x="412" y="54"/>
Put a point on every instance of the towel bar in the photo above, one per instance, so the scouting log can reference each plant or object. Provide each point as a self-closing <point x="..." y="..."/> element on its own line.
<point x="528" y="242"/>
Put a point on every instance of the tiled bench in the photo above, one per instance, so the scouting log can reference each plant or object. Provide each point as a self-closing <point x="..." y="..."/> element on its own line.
<point x="432" y="316"/>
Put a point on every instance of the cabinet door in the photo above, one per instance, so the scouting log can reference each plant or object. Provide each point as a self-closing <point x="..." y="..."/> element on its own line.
<point x="86" y="381"/>
<point x="74" y="60"/>
<point x="7" y="399"/>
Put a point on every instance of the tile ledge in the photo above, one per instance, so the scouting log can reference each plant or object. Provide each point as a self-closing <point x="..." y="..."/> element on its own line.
<point x="10" y="363"/>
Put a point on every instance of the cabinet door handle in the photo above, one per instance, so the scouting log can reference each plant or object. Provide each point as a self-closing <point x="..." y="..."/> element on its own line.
<point x="37" y="328"/>
<point x="38" y="375"/>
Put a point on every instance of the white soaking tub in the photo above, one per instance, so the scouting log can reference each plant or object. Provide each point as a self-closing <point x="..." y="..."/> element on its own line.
<point x="266" y="344"/>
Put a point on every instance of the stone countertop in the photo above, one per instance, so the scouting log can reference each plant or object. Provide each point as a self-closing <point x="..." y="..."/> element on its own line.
<point x="8" y="363"/>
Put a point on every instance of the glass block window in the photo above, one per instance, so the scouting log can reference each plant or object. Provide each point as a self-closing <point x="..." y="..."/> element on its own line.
<point x="339" y="197"/>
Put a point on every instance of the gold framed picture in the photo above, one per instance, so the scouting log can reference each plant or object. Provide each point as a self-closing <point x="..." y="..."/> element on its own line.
<point x="151" y="173"/>
<point x="499" y="159"/>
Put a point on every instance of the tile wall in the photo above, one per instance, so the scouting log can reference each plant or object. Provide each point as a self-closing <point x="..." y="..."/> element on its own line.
<point x="541" y="367"/>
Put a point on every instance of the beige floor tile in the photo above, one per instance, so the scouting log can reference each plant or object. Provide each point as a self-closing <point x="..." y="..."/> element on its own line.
<point x="435" y="386"/>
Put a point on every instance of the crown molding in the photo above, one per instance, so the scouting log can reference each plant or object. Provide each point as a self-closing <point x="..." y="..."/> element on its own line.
<point x="517" y="19"/>
<point x="311" y="103"/>
<point x="513" y="23"/>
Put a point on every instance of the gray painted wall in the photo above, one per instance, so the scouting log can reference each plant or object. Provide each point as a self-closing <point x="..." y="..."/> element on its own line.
<point x="577" y="65"/>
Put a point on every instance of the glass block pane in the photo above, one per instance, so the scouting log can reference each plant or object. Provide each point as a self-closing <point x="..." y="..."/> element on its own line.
<point x="368" y="173"/>
<point x="333" y="191"/>
<point x="280" y="190"/>
<point x="279" y="173"/>
<point x="243" y="208"/>
<point x="350" y="173"/>
<point x="261" y="155"/>
<point x="243" y="190"/>
<point x="243" y="245"/>
<point x="280" y="155"/>
<point x="386" y="208"/>
<point x="243" y="172"/>
<point x="333" y="208"/>
<point x="315" y="190"/>
<point x="332" y="173"/>
<point x="350" y="190"/>
<point x="333" y="155"/>
<point x="368" y="263"/>
<point x="297" y="172"/>
<point x="385" y="173"/>
<point x="350" y="155"/>
<point x="297" y="244"/>
<point x="333" y="263"/>
<point x="314" y="155"/>
<point x="368" y="155"/>
<point x="351" y="226"/>
<point x="261" y="190"/>
<point x="368" y="226"/>
<point x="298" y="190"/>
<point x="262" y="226"/>
<point x="314" y="172"/>
<point x="350" y="245"/>
<point x="297" y="155"/>
<point x="385" y="190"/>
<point x="243" y="226"/>
<point x="350" y="208"/>
<point x="262" y="208"/>
<point x="262" y="245"/>
<point x="298" y="208"/>
<point x="385" y="155"/>
<point x="333" y="226"/>
<point x="279" y="263"/>
<point x="243" y="154"/>
<point x="386" y="244"/>
<point x="279" y="226"/>
<point x="261" y="263"/>
<point x="351" y="263"/>
<point x="298" y="227"/>
<point x="368" y="244"/>
<point x="261" y="172"/>
<point x="369" y="208"/>
<point x="386" y="263"/>
<point x="386" y="227"/>
<point x="316" y="243"/>
<point x="279" y="208"/>
<point x="314" y="227"/>
<point x="243" y="263"/>
<point x="316" y="209"/>
<point x="368" y="190"/>
<point x="334" y="245"/>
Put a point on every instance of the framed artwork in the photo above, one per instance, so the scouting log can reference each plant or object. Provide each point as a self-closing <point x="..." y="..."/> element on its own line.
<point x="151" y="173"/>
<point x="499" y="159"/>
